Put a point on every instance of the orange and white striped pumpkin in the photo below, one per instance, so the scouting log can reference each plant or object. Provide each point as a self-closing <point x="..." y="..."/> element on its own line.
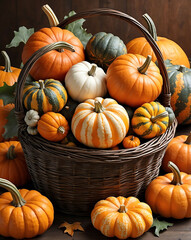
<point x="100" y="123"/>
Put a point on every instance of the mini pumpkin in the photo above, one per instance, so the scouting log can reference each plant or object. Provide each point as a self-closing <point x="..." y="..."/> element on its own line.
<point x="85" y="80"/>
<point x="134" y="80"/>
<point x="178" y="151"/>
<point x="100" y="123"/>
<point x="170" y="195"/>
<point x="131" y="142"/>
<point x="169" y="49"/>
<point x="121" y="217"/>
<point x="31" y="118"/>
<point x="23" y="213"/>
<point x="150" y="120"/>
<point x="12" y="163"/>
<point x="103" y="48"/>
<point x="53" y="126"/>
<point x="44" y="96"/>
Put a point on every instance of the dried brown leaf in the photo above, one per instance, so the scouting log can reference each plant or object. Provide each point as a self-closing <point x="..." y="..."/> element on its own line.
<point x="70" y="228"/>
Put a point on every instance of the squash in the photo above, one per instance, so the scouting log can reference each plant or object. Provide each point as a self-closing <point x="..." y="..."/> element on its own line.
<point x="178" y="151"/>
<point x="54" y="64"/>
<point x="44" y="96"/>
<point x="150" y="120"/>
<point x="32" y="130"/>
<point x="103" y="48"/>
<point x="8" y="74"/>
<point x="131" y="142"/>
<point x="85" y="80"/>
<point x="170" y="195"/>
<point x="121" y="217"/>
<point x="169" y="49"/>
<point x="23" y="213"/>
<point x="134" y="80"/>
<point x="100" y="123"/>
<point x="180" y="88"/>
<point x="31" y="118"/>
<point x="53" y="126"/>
<point x="12" y="163"/>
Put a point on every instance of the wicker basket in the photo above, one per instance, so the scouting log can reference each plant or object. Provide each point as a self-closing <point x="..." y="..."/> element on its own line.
<point x="76" y="178"/>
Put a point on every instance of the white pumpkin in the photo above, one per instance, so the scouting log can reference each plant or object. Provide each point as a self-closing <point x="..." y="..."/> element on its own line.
<point x="85" y="80"/>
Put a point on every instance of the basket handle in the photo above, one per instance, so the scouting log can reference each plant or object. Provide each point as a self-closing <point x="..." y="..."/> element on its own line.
<point x="165" y="95"/>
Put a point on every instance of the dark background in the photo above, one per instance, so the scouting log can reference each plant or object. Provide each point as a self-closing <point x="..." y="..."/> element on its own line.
<point x="172" y="19"/>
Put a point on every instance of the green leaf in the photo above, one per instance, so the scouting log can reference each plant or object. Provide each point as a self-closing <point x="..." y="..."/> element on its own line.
<point x="11" y="128"/>
<point x="160" y="225"/>
<point x="21" y="36"/>
<point x="7" y="93"/>
<point x="77" y="29"/>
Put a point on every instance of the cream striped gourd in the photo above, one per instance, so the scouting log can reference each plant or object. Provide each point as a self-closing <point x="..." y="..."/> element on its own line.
<point x="44" y="96"/>
<point x="100" y="123"/>
<point x="150" y="120"/>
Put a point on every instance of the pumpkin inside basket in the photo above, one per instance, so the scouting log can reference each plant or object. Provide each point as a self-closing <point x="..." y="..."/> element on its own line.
<point x="65" y="173"/>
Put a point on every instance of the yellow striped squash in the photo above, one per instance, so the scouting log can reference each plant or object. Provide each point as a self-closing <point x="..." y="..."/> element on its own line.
<point x="100" y="123"/>
<point x="150" y="120"/>
<point x="44" y="96"/>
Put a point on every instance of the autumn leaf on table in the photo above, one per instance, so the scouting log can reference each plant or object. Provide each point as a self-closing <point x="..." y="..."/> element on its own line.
<point x="21" y="36"/>
<point x="160" y="225"/>
<point x="71" y="227"/>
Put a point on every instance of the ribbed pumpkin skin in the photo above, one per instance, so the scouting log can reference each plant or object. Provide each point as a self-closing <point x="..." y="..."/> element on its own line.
<point x="106" y="217"/>
<point x="49" y="125"/>
<point x="53" y="64"/>
<point x="100" y="130"/>
<point x="142" y="124"/>
<point x="169" y="49"/>
<point x="180" y="87"/>
<point x="52" y="97"/>
<point x="179" y="153"/>
<point x="32" y="219"/>
<point x="170" y="200"/>
<point x="128" y="86"/>
<point x="103" y="48"/>
<point x="14" y="170"/>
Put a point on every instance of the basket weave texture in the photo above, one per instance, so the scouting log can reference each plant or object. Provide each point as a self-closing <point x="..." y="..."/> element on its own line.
<point x="75" y="178"/>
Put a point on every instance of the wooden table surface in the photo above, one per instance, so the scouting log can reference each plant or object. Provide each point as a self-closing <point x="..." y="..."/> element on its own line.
<point x="181" y="230"/>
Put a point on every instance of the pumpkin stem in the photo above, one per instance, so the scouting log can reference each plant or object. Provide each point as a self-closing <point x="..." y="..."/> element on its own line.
<point x="61" y="130"/>
<point x="145" y="65"/>
<point x="188" y="140"/>
<point x="176" y="172"/>
<point x="11" y="153"/>
<point x="92" y="70"/>
<point x="159" y="116"/>
<point x="132" y="138"/>
<point x="98" y="107"/>
<point x="182" y="69"/>
<point x="7" y="62"/>
<point x="18" y="201"/>
<point x="41" y="83"/>
<point x="53" y="20"/>
<point x="122" y="209"/>
<point x="151" y="26"/>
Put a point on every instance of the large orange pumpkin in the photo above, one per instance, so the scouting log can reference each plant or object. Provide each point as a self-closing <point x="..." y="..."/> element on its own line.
<point x="170" y="195"/>
<point x="179" y="152"/>
<point x="54" y="64"/>
<point x="12" y="163"/>
<point x="134" y="80"/>
<point x="169" y="49"/>
<point x="23" y="213"/>
<point x="121" y="217"/>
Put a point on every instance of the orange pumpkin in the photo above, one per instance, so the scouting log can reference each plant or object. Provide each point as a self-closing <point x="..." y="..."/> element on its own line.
<point x="169" y="49"/>
<point x="179" y="152"/>
<point x="170" y="195"/>
<point x="12" y="163"/>
<point x="121" y="217"/>
<point x="131" y="142"/>
<point x="134" y="80"/>
<point x="23" y="213"/>
<point x="53" y="126"/>
<point x="100" y="123"/>
<point x="54" y="64"/>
